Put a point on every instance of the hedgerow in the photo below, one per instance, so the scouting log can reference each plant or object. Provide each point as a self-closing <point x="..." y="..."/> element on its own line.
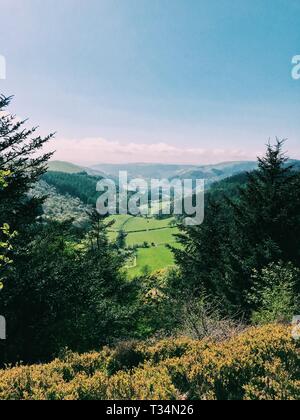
<point x="259" y="364"/>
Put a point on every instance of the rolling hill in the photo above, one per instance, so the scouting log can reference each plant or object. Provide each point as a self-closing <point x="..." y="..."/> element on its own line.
<point x="67" y="167"/>
<point x="218" y="171"/>
<point x="208" y="172"/>
<point x="142" y="170"/>
<point x="71" y="168"/>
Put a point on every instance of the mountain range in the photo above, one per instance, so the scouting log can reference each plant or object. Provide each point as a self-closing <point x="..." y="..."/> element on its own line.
<point x="211" y="173"/>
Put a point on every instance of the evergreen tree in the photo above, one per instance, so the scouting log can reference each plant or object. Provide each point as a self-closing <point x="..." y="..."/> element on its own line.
<point x="121" y="239"/>
<point x="5" y="235"/>
<point x="266" y="219"/>
<point x="21" y="158"/>
<point x="59" y="292"/>
<point x="202" y="253"/>
<point x="62" y="293"/>
<point x="259" y="226"/>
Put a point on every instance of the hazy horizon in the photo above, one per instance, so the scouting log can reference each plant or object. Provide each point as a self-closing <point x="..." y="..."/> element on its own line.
<point x="53" y="159"/>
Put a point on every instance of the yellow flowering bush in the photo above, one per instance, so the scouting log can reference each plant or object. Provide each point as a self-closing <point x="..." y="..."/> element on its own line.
<point x="169" y="348"/>
<point x="260" y="364"/>
<point x="277" y="383"/>
<point x="224" y="370"/>
<point x="146" y="383"/>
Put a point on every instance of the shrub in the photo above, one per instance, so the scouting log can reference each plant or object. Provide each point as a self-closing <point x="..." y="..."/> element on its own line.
<point x="224" y="371"/>
<point x="259" y="364"/>
<point x="127" y="355"/>
<point x="277" y="384"/>
<point x="147" y="383"/>
<point x="274" y="294"/>
<point x="168" y="349"/>
<point x="201" y="318"/>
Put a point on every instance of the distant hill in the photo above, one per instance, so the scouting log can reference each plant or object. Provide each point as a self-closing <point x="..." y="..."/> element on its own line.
<point x="296" y="164"/>
<point x="211" y="173"/>
<point x="67" y="167"/>
<point x="219" y="171"/>
<point x="142" y="170"/>
<point x="230" y="185"/>
<point x="71" y="168"/>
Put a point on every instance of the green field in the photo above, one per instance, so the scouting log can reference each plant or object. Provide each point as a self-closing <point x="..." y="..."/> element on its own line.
<point x="135" y="224"/>
<point x="156" y="233"/>
<point x="119" y="222"/>
<point x="157" y="237"/>
<point x="152" y="259"/>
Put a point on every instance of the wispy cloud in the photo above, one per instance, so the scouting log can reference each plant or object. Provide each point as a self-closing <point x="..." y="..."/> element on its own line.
<point x="90" y="151"/>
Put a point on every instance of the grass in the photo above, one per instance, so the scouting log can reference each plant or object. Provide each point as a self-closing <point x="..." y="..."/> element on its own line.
<point x="142" y="223"/>
<point x="136" y="224"/>
<point x="120" y="221"/>
<point x="157" y="237"/>
<point x="157" y="233"/>
<point x="152" y="259"/>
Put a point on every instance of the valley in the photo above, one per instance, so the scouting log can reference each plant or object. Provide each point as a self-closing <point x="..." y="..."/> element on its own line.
<point x="73" y="193"/>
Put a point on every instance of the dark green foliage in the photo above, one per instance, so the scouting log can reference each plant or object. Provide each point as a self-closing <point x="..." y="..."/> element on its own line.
<point x="61" y="291"/>
<point x="59" y="295"/>
<point x="203" y="255"/>
<point x="121" y="239"/>
<point x="273" y="294"/>
<point x="127" y="356"/>
<point x="61" y="207"/>
<point x="19" y="154"/>
<point x="258" y="225"/>
<point x="229" y="186"/>
<point x="79" y="185"/>
<point x="267" y="214"/>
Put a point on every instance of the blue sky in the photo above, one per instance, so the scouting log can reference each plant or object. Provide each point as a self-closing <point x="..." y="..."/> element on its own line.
<point x="185" y="81"/>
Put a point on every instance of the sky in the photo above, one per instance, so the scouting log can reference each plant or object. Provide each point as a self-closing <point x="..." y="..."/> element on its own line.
<point x="170" y="81"/>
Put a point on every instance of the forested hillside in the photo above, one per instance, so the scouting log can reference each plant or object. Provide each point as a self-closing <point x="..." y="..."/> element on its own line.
<point x="61" y="207"/>
<point x="79" y="185"/>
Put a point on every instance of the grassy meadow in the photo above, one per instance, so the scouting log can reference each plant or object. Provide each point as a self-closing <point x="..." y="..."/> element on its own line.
<point x="156" y="233"/>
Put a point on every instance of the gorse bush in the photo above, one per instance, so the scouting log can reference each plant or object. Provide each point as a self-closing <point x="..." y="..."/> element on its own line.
<point x="225" y="371"/>
<point x="261" y="363"/>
